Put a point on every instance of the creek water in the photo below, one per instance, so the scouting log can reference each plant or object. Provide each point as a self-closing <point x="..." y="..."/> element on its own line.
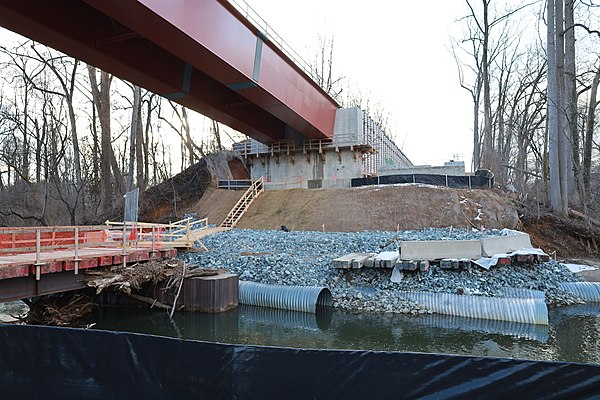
<point x="573" y="333"/>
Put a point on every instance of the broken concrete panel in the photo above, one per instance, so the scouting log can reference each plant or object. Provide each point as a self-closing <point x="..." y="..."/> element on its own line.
<point x="439" y="249"/>
<point x="504" y="244"/>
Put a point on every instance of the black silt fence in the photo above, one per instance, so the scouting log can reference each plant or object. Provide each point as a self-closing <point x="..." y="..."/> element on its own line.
<point x="453" y="181"/>
<point x="62" y="363"/>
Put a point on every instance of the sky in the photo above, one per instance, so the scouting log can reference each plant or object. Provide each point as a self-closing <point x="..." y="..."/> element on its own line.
<point x="399" y="52"/>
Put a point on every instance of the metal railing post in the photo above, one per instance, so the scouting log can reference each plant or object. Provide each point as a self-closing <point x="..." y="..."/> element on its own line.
<point x="76" y="259"/>
<point x="38" y="265"/>
<point x="153" y="240"/>
<point x="124" y="244"/>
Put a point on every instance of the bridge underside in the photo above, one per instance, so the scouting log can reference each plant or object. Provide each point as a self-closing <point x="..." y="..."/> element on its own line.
<point x="202" y="54"/>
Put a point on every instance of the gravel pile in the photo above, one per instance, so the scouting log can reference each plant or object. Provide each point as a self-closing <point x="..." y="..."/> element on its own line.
<point x="304" y="258"/>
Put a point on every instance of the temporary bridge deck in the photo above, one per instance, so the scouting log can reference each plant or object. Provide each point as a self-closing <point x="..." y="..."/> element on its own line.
<point x="45" y="260"/>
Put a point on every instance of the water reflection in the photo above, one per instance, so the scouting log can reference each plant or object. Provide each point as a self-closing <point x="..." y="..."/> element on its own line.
<point x="571" y="335"/>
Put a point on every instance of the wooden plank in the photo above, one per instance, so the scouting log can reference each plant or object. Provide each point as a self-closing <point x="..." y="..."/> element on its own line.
<point x="360" y="260"/>
<point x="386" y="259"/>
<point x="344" y="261"/>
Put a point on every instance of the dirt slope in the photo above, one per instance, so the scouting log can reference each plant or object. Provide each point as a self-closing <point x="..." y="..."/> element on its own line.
<point x="216" y="204"/>
<point x="378" y="208"/>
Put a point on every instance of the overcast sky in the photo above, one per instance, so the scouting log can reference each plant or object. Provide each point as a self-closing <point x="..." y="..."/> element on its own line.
<point x="399" y="52"/>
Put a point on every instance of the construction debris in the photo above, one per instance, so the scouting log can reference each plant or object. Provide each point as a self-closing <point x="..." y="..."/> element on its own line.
<point x="124" y="279"/>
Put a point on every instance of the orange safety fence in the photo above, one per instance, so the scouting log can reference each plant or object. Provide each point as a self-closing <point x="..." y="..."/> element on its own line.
<point x="17" y="240"/>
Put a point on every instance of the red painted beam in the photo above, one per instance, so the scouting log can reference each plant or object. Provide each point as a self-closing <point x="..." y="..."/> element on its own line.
<point x="200" y="53"/>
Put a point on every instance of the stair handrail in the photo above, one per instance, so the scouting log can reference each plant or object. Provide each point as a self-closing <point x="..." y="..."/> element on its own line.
<point x="249" y="195"/>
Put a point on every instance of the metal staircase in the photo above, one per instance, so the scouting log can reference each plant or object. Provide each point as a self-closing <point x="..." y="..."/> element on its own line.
<point x="242" y="205"/>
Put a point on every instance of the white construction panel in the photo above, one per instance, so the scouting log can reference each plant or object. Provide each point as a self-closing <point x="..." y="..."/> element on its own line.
<point x="437" y="249"/>
<point x="504" y="244"/>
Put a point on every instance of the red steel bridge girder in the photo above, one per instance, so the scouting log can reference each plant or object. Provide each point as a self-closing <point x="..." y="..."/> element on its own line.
<point x="201" y="53"/>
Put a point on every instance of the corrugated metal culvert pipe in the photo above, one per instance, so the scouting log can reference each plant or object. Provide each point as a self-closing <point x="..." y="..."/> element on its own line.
<point x="298" y="298"/>
<point x="588" y="291"/>
<point x="525" y="310"/>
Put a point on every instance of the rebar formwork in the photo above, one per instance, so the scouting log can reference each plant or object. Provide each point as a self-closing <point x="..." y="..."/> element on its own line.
<point x="386" y="152"/>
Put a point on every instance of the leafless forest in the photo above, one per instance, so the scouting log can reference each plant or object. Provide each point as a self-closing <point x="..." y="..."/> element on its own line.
<point x="74" y="139"/>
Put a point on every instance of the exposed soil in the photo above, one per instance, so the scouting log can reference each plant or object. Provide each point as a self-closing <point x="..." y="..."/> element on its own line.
<point x="568" y="237"/>
<point x="379" y="208"/>
<point x="216" y="204"/>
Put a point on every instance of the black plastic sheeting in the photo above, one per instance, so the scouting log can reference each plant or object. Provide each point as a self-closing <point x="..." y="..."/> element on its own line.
<point x="43" y="362"/>
<point x="452" y="181"/>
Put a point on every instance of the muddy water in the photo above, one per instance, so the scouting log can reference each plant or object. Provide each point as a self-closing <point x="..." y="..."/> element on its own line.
<point x="571" y="336"/>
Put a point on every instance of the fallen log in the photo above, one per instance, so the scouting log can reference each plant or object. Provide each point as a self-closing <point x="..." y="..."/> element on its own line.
<point x="584" y="217"/>
<point x="103" y="283"/>
<point x="152" y="302"/>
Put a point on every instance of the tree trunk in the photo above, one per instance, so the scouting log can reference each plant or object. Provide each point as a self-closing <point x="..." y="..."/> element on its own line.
<point x="589" y="135"/>
<point x="139" y="151"/>
<point x="552" y="115"/>
<point x="488" y="142"/>
<point x="102" y="102"/>
<point x="217" y="135"/>
<point x="571" y="100"/>
<point x="135" y="116"/>
<point x="73" y="121"/>
<point x="564" y="142"/>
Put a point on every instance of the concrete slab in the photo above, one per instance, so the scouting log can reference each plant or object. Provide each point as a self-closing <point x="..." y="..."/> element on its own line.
<point x="439" y="249"/>
<point x="504" y="244"/>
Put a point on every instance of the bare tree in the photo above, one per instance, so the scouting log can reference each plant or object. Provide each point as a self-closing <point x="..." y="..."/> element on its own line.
<point x="323" y="64"/>
<point x="481" y="22"/>
<point x="589" y="134"/>
<point x="190" y="151"/>
<point x="135" y="126"/>
<point x="108" y="161"/>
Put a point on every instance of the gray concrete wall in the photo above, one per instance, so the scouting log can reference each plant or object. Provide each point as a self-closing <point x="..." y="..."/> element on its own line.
<point x="348" y="128"/>
<point x="295" y="170"/>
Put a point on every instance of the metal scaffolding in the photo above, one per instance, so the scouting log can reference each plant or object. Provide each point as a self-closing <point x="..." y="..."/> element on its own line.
<point x="386" y="152"/>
